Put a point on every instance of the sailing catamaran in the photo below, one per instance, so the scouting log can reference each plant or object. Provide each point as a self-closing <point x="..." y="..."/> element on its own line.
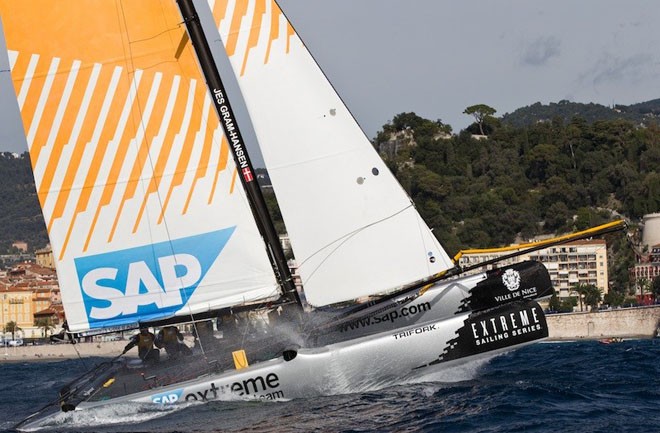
<point x="153" y="223"/>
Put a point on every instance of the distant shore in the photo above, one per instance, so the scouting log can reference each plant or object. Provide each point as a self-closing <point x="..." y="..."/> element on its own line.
<point x="62" y="351"/>
<point x="634" y="323"/>
<point x="641" y="322"/>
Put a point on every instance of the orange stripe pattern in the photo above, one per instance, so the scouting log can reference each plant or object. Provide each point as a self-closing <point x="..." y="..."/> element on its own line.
<point x="116" y="125"/>
<point x="251" y="26"/>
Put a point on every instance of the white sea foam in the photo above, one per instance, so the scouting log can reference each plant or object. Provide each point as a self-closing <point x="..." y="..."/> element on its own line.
<point x="112" y="414"/>
<point x="466" y="370"/>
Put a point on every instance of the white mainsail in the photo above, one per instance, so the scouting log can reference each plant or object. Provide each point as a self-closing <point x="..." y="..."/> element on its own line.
<point x="146" y="216"/>
<point x="353" y="229"/>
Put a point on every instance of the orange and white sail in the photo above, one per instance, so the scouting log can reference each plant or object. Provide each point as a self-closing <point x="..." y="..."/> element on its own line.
<point x="145" y="213"/>
<point x="353" y="229"/>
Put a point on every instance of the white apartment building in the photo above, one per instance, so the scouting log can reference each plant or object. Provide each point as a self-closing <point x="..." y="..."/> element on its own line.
<point x="577" y="262"/>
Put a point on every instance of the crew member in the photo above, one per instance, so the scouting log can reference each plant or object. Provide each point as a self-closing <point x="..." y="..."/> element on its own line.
<point x="171" y="339"/>
<point x="145" y="343"/>
<point x="203" y="333"/>
<point x="227" y="324"/>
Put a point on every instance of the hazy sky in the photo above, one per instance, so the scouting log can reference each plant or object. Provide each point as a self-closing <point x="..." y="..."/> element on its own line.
<point x="436" y="57"/>
<point x="11" y="129"/>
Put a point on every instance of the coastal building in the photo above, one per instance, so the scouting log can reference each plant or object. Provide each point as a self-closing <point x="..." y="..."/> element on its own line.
<point x="21" y="246"/>
<point x="647" y="259"/>
<point x="29" y="291"/>
<point x="570" y="264"/>
<point x="650" y="230"/>
<point x="10" y="260"/>
<point x="573" y="263"/>
<point x="645" y="270"/>
<point x="44" y="257"/>
<point x="16" y="306"/>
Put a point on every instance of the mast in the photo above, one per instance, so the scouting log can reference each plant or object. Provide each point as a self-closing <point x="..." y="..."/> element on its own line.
<point x="238" y="148"/>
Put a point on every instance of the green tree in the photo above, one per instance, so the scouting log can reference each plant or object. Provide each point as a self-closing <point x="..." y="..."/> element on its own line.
<point x="542" y="162"/>
<point x="556" y="216"/>
<point x="613" y="298"/>
<point x="587" y="293"/>
<point x="554" y="304"/>
<point x="644" y="285"/>
<point x="655" y="287"/>
<point x="45" y="324"/>
<point x="21" y="217"/>
<point x="588" y="217"/>
<point x="480" y="112"/>
<point x="568" y="304"/>
<point x="13" y="328"/>
<point x="592" y="296"/>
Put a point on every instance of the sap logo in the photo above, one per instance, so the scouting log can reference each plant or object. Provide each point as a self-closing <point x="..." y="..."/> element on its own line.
<point x="139" y="275"/>
<point x="148" y="282"/>
<point x="170" y="397"/>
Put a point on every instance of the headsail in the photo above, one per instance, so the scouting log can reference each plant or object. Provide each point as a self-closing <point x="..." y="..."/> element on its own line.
<point x="353" y="228"/>
<point x="145" y="214"/>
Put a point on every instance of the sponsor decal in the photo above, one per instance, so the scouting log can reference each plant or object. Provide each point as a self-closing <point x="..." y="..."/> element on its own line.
<point x="169" y="397"/>
<point x="232" y="134"/>
<point x="511" y="279"/>
<point x="146" y="282"/>
<point x="501" y="327"/>
<point x="525" y="293"/>
<point x="505" y="326"/>
<point x="383" y="316"/>
<point x="420" y="330"/>
<point x="526" y="280"/>
<point x="247" y="174"/>
<point x="262" y="387"/>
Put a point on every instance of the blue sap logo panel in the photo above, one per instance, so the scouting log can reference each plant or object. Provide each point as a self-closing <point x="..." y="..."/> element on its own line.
<point x="169" y="397"/>
<point x="147" y="282"/>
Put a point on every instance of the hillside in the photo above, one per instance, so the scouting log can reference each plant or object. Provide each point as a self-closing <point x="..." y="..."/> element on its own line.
<point x="519" y="182"/>
<point x="515" y="183"/>
<point x="21" y="218"/>
<point x="641" y="113"/>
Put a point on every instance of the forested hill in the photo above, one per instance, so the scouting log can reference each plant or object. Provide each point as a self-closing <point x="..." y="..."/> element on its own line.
<point x="512" y="184"/>
<point x="518" y="182"/>
<point x="641" y="113"/>
<point x="20" y="216"/>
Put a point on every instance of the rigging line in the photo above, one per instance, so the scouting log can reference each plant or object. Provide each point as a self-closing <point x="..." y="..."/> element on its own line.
<point x="155" y="64"/>
<point x="244" y="196"/>
<point x="198" y="103"/>
<point x="415" y="290"/>
<point x="75" y="347"/>
<point x="149" y="159"/>
<point x="197" y="337"/>
<point x="426" y="287"/>
<point x="342" y="240"/>
<point x="154" y="36"/>
<point x="309" y="52"/>
<point x="593" y="231"/>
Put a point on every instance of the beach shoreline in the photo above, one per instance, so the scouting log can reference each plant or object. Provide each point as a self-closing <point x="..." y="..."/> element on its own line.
<point x="65" y="350"/>
<point x="62" y="351"/>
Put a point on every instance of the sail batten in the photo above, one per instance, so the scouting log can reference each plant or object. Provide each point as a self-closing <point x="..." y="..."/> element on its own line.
<point x="143" y="212"/>
<point x="352" y="228"/>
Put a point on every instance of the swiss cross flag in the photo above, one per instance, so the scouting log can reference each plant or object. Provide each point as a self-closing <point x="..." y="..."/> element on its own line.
<point x="247" y="174"/>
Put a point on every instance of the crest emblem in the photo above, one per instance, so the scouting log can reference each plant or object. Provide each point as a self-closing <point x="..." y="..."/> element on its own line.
<point x="511" y="280"/>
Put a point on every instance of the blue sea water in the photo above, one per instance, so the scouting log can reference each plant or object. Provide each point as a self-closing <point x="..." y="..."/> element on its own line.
<point x="549" y="387"/>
